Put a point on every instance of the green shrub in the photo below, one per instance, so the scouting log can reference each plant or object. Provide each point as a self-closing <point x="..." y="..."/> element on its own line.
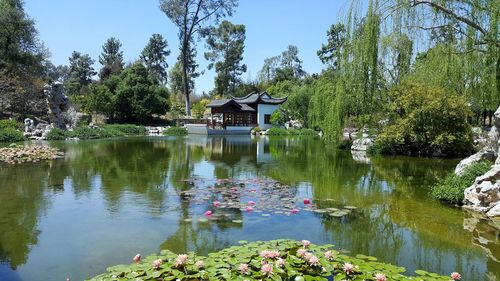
<point x="307" y="132"/>
<point x="57" y="134"/>
<point x="275" y="131"/>
<point x="11" y="135"/>
<point x="11" y="124"/>
<point x="86" y="133"/>
<point x="249" y="261"/>
<point x="126" y="129"/>
<point x="426" y="120"/>
<point x="451" y="189"/>
<point x="175" y="131"/>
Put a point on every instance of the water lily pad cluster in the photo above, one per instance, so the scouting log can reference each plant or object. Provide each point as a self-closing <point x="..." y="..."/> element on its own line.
<point x="260" y="195"/>
<point x="21" y="154"/>
<point x="273" y="260"/>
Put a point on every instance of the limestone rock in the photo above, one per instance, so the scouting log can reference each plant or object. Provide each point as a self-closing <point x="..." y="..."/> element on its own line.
<point x="484" y="194"/>
<point x="484" y="155"/>
<point x="362" y="144"/>
<point x="57" y="103"/>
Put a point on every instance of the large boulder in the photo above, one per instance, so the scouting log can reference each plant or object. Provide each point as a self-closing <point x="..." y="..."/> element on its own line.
<point x="484" y="194"/>
<point x="362" y="144"/>
<point x="481" y="156"/>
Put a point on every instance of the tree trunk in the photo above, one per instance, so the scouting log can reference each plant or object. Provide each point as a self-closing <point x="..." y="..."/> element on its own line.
<point x="185" y="79"/>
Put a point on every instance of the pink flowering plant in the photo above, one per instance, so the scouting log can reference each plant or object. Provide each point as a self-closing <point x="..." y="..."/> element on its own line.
<point x="273" y="260"/>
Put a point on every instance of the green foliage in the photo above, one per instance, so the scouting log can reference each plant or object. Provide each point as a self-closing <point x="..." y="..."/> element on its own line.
<point x="425" y="121"/>
<point x="111" y="58"/>
<point x="285" y="67"/>
<point x="226" y="44"/>
<point x="451" y="189"/>
<point x="126" y="129"/>
<point x="11" y="135"/>
<point x="225" y="265"/>
<point x="106" y="131"/>
<point x="276" y="131"/>
<point x="154" y="56"/>
<point x="278" y="118"/>
<point x="175" y="131"/>
<point x="80" y="74"/>
<point x="21" y="51"/>
<point x="198" y="109"/>
<point x="11" y="124"/>
<point x="132" y="96"/>
<point x="191" y="18"/>
<point x="56" y="134"/>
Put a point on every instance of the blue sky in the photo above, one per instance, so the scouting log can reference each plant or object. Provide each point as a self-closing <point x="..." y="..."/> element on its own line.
<point x="271" y="25"/>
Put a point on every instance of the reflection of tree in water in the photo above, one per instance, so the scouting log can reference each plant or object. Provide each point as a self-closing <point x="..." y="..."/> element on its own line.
<point x="22" y="203"/>
<point x="119" y="166"/>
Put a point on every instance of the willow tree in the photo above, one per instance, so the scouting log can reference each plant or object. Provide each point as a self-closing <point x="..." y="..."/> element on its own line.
<point x="466" y="31"/>
<point x="353" y="47"/>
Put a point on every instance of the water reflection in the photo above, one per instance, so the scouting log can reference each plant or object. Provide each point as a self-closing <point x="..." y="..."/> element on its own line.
<point x="107" y="200"/>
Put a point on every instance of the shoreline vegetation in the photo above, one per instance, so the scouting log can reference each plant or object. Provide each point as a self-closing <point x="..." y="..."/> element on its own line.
<point x="273" y="260"/>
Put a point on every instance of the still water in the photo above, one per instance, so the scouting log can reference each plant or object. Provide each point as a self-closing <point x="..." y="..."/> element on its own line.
<point x="107" y="200"/>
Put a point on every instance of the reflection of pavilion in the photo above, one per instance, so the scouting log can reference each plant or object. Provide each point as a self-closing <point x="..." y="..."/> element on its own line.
<point x="234" y="150"/>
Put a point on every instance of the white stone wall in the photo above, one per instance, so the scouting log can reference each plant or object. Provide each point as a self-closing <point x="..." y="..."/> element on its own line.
<point x="262" y="110"/>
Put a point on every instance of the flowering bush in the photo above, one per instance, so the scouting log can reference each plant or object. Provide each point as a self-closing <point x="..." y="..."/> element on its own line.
<point x="273" y="260"/>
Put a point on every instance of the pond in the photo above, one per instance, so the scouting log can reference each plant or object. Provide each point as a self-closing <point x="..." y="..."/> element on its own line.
<point x="107" y="200"/>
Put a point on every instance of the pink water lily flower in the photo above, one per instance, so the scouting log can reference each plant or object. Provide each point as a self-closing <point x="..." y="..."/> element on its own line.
<point x="251" y="203"/>
<point x="307" y="201"/>
<point x="280" y="262"/>
<point x="199" y="264"/>
<point x="249" y="209"/>
<point x="208" y="213"/>
<point x="348" y="268"/>
<point x="157" y="263"/>
<point x="216" y="203"/>
<point x="267" y="269"/>
<point x="329" y="255"/>
<point x="456" y="276"/>
<point x="380" y="277"/>
<point x="244" y="269"/>
<point x="301" y="253"/>
<point x="294" y="211"/>
<point x="181" y="260"/>
<point x="313" y="260"/>
<point x="137" y="258"/>
<point x="306" y="243"/>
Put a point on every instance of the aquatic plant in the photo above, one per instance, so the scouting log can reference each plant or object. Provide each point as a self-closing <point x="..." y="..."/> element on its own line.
<point x="21" y="154"/>
<point x="255" y="261"/>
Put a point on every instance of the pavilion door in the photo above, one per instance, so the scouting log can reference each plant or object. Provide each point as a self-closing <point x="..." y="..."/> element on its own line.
<point x="229" y="119"/>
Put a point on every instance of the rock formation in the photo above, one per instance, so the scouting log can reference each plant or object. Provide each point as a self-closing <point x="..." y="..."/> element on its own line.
<point x="363" y="143"/>
<point x="484" y="194"/>
<point x="57" y="103"/>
